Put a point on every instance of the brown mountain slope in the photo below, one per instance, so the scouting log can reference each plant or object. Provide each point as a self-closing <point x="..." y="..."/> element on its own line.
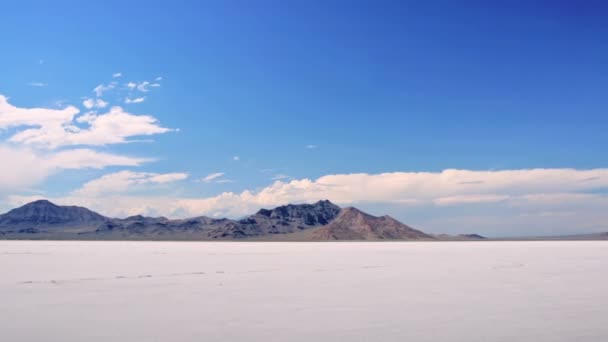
<point x="353" y="224"/>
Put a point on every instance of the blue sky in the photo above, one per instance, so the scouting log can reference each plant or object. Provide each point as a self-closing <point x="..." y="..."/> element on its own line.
<point x="299" y="90"/>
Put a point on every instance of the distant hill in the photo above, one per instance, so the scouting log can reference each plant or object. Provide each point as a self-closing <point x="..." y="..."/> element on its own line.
<point x="460" y="237"/>
<point x="325" y="220"/>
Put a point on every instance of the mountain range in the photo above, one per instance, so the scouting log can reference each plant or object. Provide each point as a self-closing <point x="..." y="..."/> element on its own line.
<point x="320" y="221"/>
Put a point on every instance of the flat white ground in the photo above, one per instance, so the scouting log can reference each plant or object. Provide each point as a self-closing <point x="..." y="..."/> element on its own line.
<point x="379" y="291"/>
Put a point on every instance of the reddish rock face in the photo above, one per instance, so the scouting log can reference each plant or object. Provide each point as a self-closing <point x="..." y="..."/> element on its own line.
<point x="353" y="224"/>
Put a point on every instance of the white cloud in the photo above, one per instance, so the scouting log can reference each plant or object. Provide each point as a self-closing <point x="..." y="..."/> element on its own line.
<point x="33" y="136"/>
<point x="135" y="100"/>
<point x="83" y="158"/>
<point x="212" y="176"/>
<point x="534" y="201"/>
<point x="52" y="128"/>
<point x="124" y="181"/>
<point x="143" y="86"/>
<point x="21" y="169"/>
<point x="37" y="84"/>
<point x="94" y="103"/>
<point x="100" y="89"/>
<point x="167" y="177"/>
<point x="86" y="117"/>
<point x="11" y="116"/>
<point x="88" y="103"/>
<point x="25" y="167"/>
<point x="470" y="199"/>
<point x="159" y="78"/>
<point x="280" y="177"/>
<point x="236" y="158"/>
<point x="117" y="75"/>
<point x="460" y="186"/>
<point x="311" y="146"/>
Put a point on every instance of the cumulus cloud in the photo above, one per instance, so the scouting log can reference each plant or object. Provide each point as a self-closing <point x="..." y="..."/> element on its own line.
<point x="123" y="181"/>
<point x="21" y="170"/>
<point x="534" y="201"/>
<point x="11" y="116"/>
<point x="161" y="178"/>
<point x="87" y="117"/>
<point x="28" y="167"/>
<point x="52" y="128"/>
<point x="40" y="142"/>
<point x="280" y="177"/>
<point x="88" y="103"/>
<point x="470" y="199"/>
<point x="236" y="158"/>
<point x="94" y="103"/>
<point x="31" y="150"/>
<point x="86" y="158"/>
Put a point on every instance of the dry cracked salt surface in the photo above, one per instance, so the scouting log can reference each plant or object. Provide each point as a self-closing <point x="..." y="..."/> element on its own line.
<point x="355" y="291"/>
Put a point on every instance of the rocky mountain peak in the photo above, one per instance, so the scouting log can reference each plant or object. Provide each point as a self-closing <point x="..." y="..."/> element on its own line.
<point x="43" y="212"/>
<point x="319" y="212"/>
<point x="353" y="224"/>
<point x="40" y="203"/>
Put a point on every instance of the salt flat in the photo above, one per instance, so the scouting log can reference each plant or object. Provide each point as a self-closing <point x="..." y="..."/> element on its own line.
<point x="239" y="291"/>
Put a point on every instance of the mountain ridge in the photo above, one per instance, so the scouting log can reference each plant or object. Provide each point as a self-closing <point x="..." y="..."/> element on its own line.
<point x="319" y="221"/>
<point x="45" y="220"/>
